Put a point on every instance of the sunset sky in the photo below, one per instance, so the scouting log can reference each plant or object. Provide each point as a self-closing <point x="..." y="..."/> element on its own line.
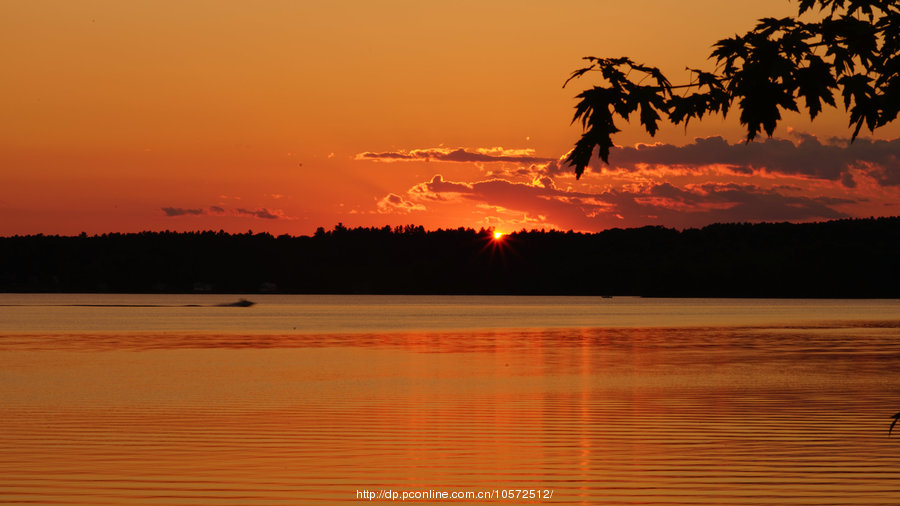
<point x="283" y="116"/>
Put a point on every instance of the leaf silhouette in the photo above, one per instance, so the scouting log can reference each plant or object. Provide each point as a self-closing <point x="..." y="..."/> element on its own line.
<point x="765" y="71"/>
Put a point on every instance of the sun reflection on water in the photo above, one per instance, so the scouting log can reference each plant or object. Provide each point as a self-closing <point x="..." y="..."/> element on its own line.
<point x="691" y="415"/>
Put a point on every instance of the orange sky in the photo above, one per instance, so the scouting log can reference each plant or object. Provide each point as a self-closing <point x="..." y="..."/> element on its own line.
<point x="283" y="116"/>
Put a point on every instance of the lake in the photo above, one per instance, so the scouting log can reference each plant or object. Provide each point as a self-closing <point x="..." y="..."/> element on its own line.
<point x="168" y="399"/>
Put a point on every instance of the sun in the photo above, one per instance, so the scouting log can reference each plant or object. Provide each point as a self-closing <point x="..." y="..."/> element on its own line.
<point x="497" y="244"/>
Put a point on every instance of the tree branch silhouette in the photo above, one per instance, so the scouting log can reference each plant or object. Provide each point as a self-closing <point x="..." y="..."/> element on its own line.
<point x="766" y="71"/>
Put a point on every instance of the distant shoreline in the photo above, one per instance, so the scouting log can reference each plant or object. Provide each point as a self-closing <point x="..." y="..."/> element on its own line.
<point x="842" y="259"/>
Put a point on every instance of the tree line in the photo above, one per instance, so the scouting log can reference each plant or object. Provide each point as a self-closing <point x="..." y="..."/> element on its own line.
<point x="843" y="258"/>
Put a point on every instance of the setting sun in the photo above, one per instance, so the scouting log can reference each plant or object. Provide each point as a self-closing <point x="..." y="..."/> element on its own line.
<point x="498" y="236"/>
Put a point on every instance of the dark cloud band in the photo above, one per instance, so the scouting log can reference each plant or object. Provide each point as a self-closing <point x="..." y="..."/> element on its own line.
<point x="808" y="157"/>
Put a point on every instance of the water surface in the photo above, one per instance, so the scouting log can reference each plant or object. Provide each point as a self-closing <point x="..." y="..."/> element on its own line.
<point x="140" y="400"/>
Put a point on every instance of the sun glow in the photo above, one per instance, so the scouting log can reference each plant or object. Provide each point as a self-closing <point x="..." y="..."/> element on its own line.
<point x="498" y="236"/>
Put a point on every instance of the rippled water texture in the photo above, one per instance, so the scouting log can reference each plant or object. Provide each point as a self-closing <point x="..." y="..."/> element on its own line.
<point x="297" y="400"/>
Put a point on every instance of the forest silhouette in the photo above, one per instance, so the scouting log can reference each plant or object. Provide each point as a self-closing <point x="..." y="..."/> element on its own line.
<point x="854" y="258"/>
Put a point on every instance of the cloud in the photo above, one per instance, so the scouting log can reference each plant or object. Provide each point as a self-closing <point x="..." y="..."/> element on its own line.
<point x="262" y="213"/>
<point x="179" y="211"/>
<point x="808" y="158"/>
<point x="804" y="156"/>
<point x="394" y="203"/>
<point x="460" y="155"/>
<point x="799" y="178"/>
<point x="650" y="204"/>
<point x="723" y="202"/>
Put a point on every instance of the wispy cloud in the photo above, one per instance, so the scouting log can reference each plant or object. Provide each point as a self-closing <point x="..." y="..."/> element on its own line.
<point x="180" y="211"/>
<point x="459" y="155"/>
<point x="262" y="213"/>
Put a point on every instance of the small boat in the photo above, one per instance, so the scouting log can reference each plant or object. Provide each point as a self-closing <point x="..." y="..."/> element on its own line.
<point x="239" y="303"/>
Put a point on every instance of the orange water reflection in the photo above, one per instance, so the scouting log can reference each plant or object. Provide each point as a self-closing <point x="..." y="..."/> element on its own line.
<point x="749" y="415"/>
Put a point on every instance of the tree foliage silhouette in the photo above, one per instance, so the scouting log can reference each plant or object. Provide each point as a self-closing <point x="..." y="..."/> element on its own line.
<point x="851" y="49"/>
